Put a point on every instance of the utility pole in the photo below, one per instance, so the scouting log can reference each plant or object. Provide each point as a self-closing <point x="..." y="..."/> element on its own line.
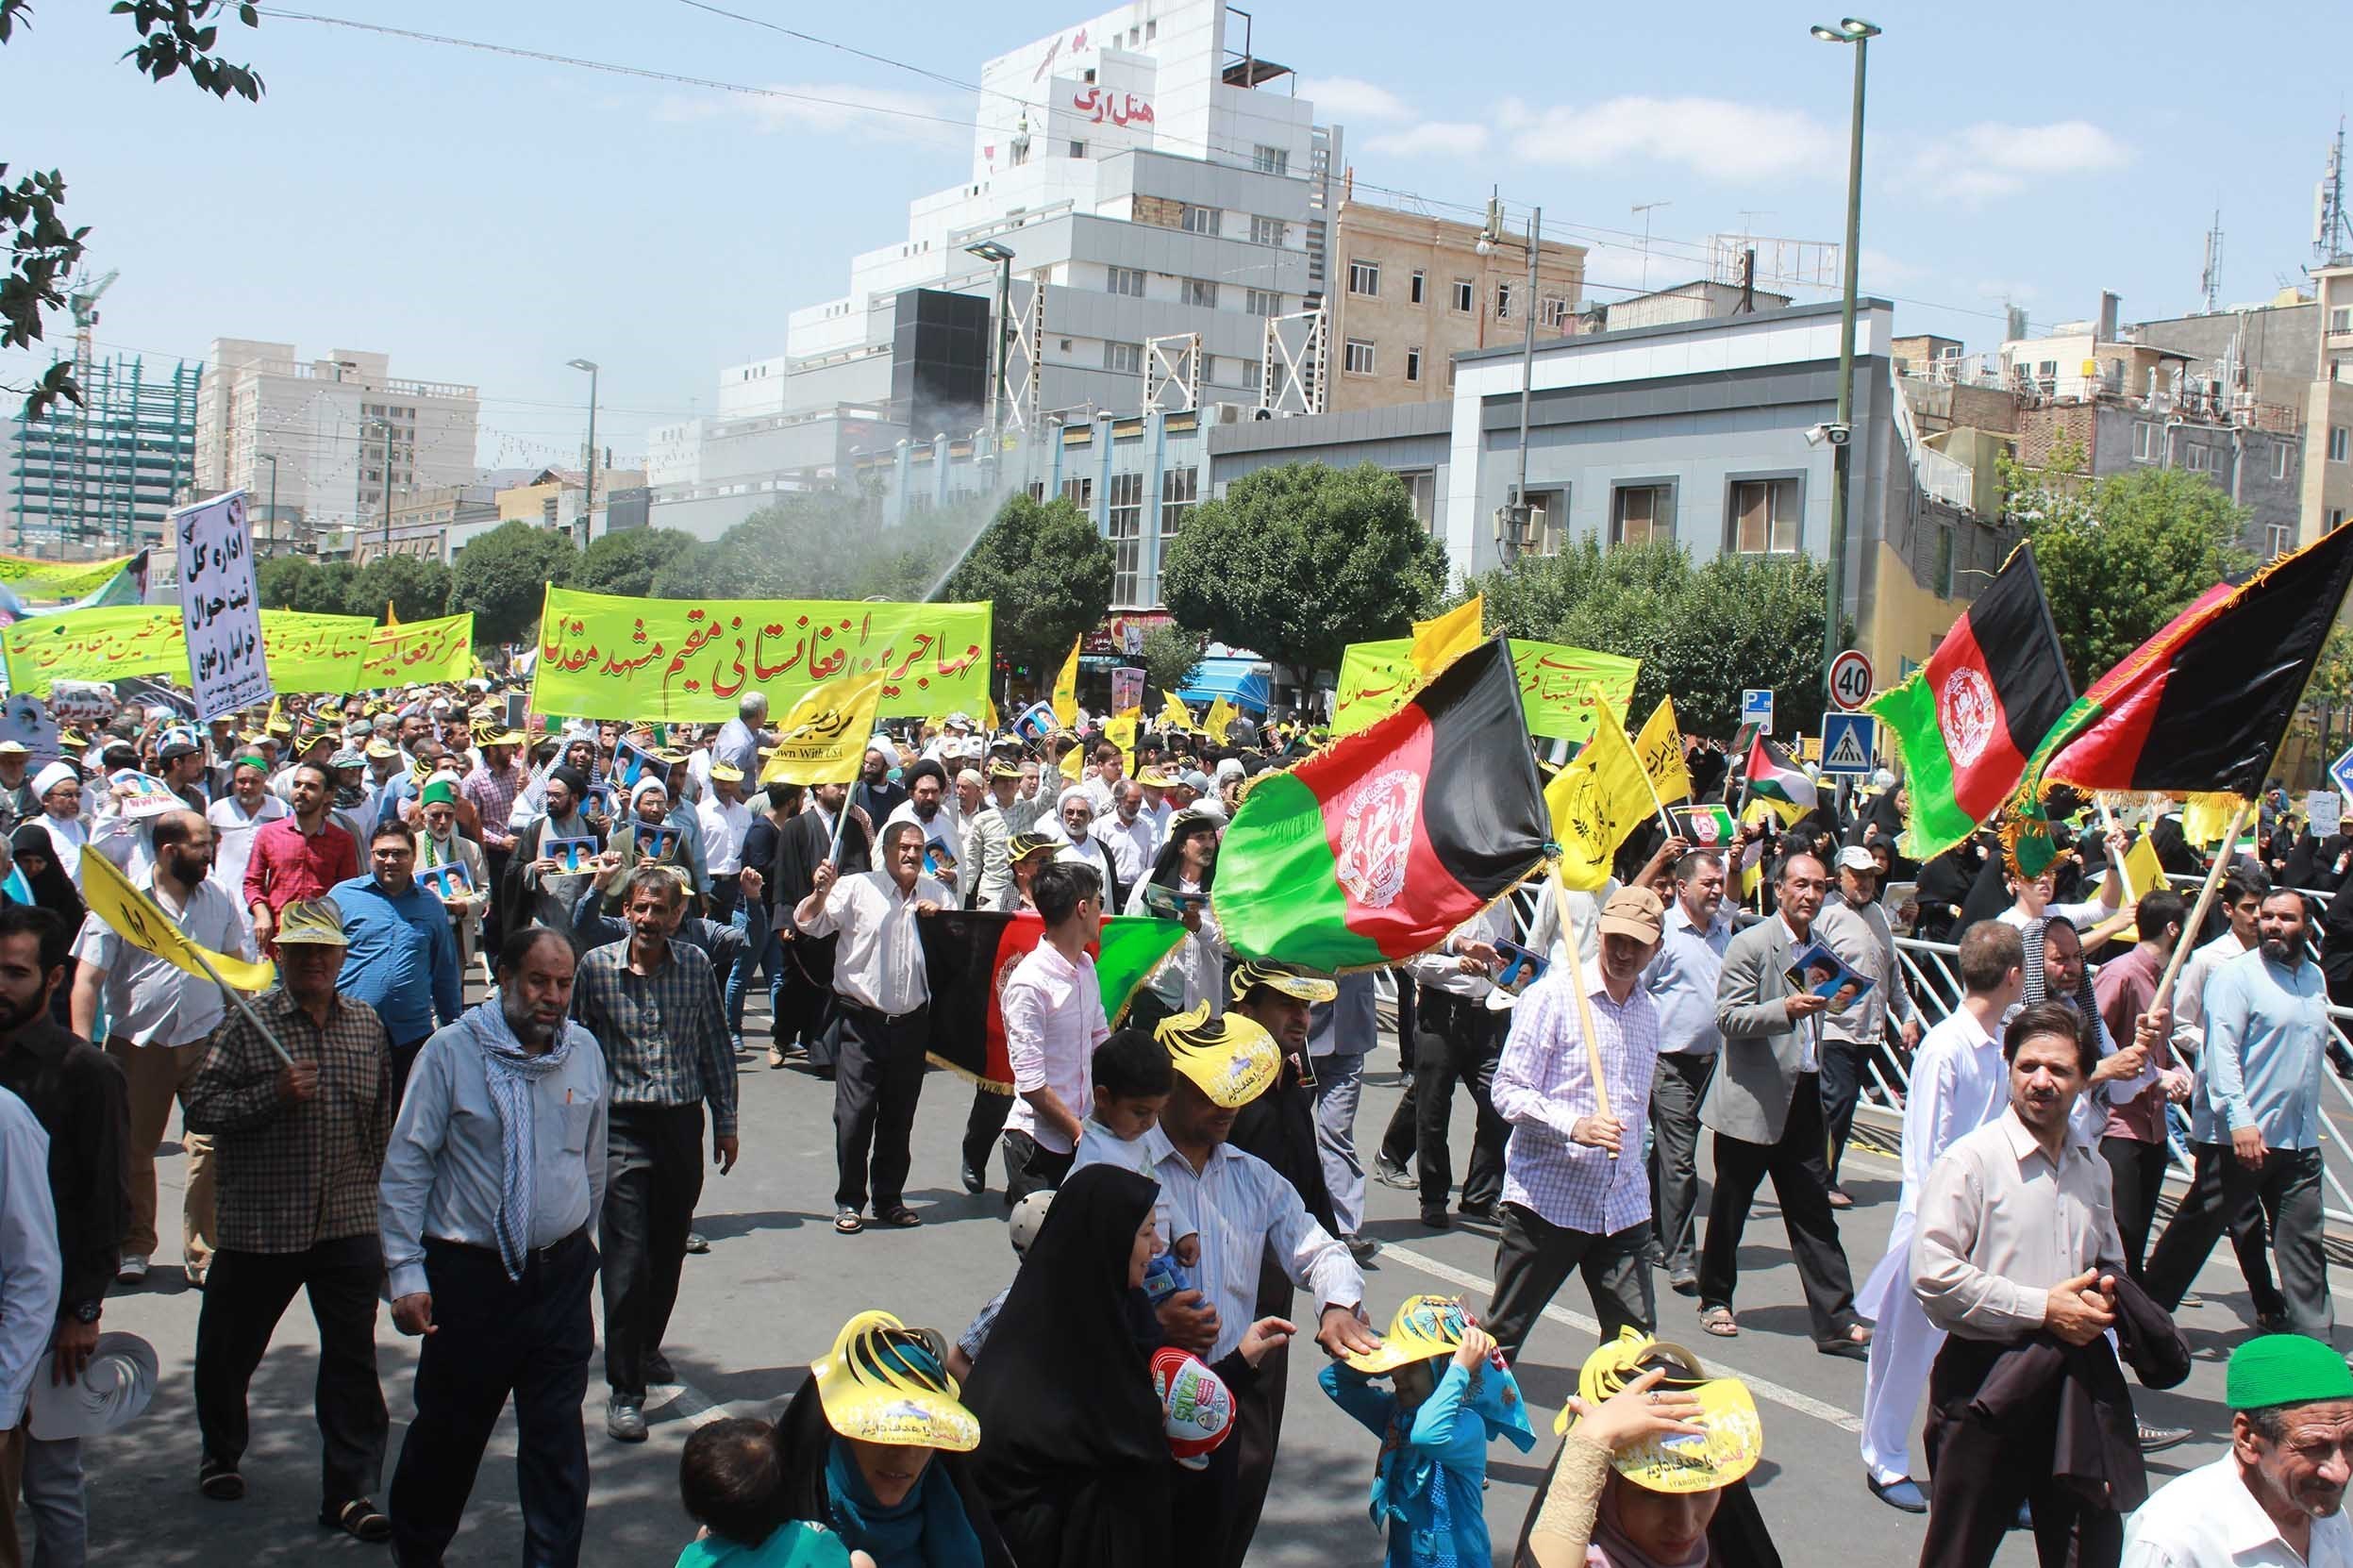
<point x="588" y="498"/>
<point x="271" y="458"/>
<point x="1515" y="527"/>
<point x="1858" y="33"/>
<point x="388" y="487"/>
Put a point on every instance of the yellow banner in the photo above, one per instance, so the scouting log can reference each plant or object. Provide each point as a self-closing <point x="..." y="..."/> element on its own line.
<point x="1066" y="688"/>
<point x="602" y="655"/>
<point x="1660" y="747"/>
<point x="822" y="741"/>
<point x="58" y="579"/>
<point x="1557" y="684"/>
<point x="135" y="917"/>
<point x="1439" y="643"/>
<point x="1596" y="801"/>
<point x="411" y="654"/>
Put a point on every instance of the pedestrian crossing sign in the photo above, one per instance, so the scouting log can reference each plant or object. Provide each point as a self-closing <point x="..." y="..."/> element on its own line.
<point x="1850" y="742"/>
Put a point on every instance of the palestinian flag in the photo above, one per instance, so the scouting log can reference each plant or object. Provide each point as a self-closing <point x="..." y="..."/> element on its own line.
<point x="2203" y="705"/>
<point x="968" y="952"/>
<point x="1967" y="722"/>
<point x="1373" y="849"/>
<point x="1773" y="776"/>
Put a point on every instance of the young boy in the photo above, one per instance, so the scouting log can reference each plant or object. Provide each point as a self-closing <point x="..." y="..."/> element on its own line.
<point x="1022" y="1229"/>
<point x="1132" y="1077"/>
<point x="732" y="1480"/>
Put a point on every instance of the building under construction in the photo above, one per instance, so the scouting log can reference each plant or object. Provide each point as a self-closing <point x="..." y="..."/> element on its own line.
<point x="100" y="477"/>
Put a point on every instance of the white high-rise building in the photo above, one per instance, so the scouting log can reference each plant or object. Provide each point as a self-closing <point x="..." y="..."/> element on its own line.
<point x="313" y="434"/>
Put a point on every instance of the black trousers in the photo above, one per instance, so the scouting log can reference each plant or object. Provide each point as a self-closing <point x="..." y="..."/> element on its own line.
<point x="1980" y="1474"/>
<point x="1032" y="1167"/>
<point x="1841" y="1087"/>
<point x="1681" y="1083"/>
<point x="982" y="1123"/>
<point x="805" y="1008"/>
<point x="1457" y="1042"/>
<point x="1534" y="1257"/>
<point x="726" y="887"/>
<point x="1257" y="1422"/>
<point x="495" y="919"/>
<point x="2137" y="1176"/>
<point x="1396" y="1143"/>
<point x="404" y="1058"/>
<point x="653" y="1174"/>
<point x="1801" y="1183"/>
<point x="492" y="1337"/>
<point x="245" y="1294"/>
<point x="877" y="1077"/>
<point x="2288" y="1188"/>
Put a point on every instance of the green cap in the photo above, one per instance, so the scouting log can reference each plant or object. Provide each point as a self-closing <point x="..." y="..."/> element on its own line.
<point x="2285" y="1369"/>
<point x="439" y="791"/>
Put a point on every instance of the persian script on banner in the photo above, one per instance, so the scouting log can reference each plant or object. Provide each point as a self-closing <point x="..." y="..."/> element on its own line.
<point x="219" y="611"/>
<point x="603" y="656"/>
<point x="1557" y="684"/>
<point x="307" y="653"/>
<point x="415" y="652"/>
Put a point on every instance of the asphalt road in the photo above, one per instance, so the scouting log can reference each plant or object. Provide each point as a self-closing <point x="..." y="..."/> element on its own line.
<point x="777" y="1284"/>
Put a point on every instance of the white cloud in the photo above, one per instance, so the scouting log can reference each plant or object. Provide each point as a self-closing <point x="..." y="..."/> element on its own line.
<point x="1882" y="271"/>
<point x="1342" y="99"/>
<point x="1431" y="139"/>
<point x="1713" y="135"/>
<point x="1990" y="159"/>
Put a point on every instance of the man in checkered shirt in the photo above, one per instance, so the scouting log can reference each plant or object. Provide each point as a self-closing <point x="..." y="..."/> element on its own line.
<point x="1576" y="1194"/>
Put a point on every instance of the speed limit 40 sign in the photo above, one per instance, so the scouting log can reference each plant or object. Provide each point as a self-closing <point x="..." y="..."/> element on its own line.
<point x="1850" y="680"/>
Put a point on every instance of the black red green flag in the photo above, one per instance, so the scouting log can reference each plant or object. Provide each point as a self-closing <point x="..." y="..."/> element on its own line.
<point x="1967" y="721"/>
<point x="1373" y="849"/>
<point x="968" y="952"/>
<point x="2203" y="705"/>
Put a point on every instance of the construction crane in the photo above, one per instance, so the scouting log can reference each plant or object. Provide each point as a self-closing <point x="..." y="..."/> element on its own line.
<point x="83" y="302"/>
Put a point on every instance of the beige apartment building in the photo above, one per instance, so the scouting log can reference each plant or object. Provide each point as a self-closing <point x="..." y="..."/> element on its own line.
<point x="1409" y="291"/>
<point x="2329" y="409"/>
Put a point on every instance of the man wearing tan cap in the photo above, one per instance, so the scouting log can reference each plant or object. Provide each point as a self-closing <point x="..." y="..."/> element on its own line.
<point x="1576" y="1194"/>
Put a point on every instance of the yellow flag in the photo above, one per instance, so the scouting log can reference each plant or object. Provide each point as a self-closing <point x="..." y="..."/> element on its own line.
<point x="1221" y="714"/>
<point x="392" y="616"/>
<point x="1066" y="689"/>
<point x="1440" y="643"/>
<point x="1121" y="732"/>
<point x="1660" y="747"/>
<point x="136" y="919"/>
<point x="1075" y="763"/>
<point x="987" y="714"/>
<point x="822" y="741"/>
<point x="1595" y="802"/>
<point x="1174" y="711"/>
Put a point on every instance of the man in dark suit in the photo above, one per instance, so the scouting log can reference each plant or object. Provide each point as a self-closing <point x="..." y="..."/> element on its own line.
<point x="805" y="1002"/>
<point x="1764" y="1106"/>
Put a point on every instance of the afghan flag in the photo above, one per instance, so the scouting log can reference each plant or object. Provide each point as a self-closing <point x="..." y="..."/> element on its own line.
<point x="2203" y="705"/>
<point x="1967" y="722"/>
<point x="1373" y="849"/>
<point x="1774" y="777"/>
<point x="968" y="954"/>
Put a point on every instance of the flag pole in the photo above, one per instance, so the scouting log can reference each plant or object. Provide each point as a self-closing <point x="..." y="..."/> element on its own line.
<point x="1584" y="1007"/>
<point x="237" y="1000"/>
<point x="2197" y="915"/>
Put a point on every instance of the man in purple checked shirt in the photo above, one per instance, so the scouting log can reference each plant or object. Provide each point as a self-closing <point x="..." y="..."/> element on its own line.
<point x="1575" y="1194"/>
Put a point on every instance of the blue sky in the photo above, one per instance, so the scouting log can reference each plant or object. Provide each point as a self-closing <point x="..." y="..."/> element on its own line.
<point x="485" y="217"/>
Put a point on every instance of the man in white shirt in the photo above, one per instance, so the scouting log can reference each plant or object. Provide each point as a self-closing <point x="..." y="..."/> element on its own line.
<point x="883" y="1000"/>
<point x="2277" y="1497"/>
<point x="157" y="1018"/>
<point x="722" y="819"/>
<point x="1053" y="1009"/>
<point x="1128" y="834"/>
<point x="1103" y="778"/>
<point x="1958" y="1083"/>
<point x="925" y="806"/>
<point x="30" y="1275"/>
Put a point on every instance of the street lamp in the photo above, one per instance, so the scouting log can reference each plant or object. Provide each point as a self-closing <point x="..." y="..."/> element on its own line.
<point x="1514" y="532"/>
<point x="271" y="458"/>
<point x="1001" y="258"/>
<point x="388" y="491"/>
<point x="1860" y="33"/>
<point x="588" y="498"/>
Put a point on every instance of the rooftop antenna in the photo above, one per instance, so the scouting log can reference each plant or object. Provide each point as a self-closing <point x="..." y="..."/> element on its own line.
<point x="2331" y="226"/>
<point x="2209" y="281"/>
<point x="1645" y="210"/>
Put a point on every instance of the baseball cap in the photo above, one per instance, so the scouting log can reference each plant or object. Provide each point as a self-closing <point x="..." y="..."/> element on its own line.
<point x="1197" y="781"/>
<point x="1855" y="857"/>
<point x="1634" y="912"/>
<point x="318" y="920"/>
<point x="1028" y="1216"/>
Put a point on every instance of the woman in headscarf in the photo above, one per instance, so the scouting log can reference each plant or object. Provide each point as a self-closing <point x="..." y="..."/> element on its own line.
<point x="875" y="1445"/>
<point x="1653" y="1471"/>
<point x="59" y="787"/>
<point x="1178" y="888"/>
<point x="1073" y="1459"/>
<point x="37" y="866"/>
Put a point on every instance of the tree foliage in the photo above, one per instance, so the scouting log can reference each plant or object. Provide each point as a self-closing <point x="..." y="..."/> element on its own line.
<point x="1048" y="573"/>
<point x="174" y="36"/>
<point x="1170" y="652"/>
<point x="1702" y="632"/>
<point x="417" y="589"/>
<point x="502" y="576"/>
<point x="2121" y="557"/>
<point x="1300" y="560"/>
<point x="627" y="563"/>
<point x="821" y="544"/>
<point x="300" y="583"/>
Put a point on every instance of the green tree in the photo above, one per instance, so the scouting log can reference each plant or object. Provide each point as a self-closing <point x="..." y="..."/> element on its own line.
<point x="1170" y="652"/>
<point x="417" y="589"/>
<point x="1702" y="632"/>
<point x="1047" y="571"/>
<point x="1298" y="561"/>
<point x="502" y="576"/>
<point x="627" y="563"/>
<point x="819" y="544"/>
<point x="173" y="36"/>
<point x="2121" y="557"/>
<point x="300" y="583"/>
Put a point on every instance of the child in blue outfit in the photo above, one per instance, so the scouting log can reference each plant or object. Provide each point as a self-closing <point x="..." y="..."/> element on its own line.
<point x="1449" y="1396"/>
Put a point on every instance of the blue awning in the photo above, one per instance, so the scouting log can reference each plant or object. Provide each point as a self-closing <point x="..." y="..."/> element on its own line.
<point x="1240" y="681"/>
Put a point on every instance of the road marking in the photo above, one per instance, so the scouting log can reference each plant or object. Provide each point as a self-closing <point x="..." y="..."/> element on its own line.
<point x="1803" y="1404"/>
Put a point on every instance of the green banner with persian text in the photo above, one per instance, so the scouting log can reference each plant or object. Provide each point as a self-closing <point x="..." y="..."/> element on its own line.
<point x="602" y="655"/>
<point x="1556" y="685"/>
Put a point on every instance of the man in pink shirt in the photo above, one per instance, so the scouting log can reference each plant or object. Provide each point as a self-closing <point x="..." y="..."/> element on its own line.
<point x="1054" y="1020"/>
<point x="297" y="856"/>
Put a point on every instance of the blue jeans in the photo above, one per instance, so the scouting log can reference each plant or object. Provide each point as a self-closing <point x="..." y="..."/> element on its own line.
<point x="751" y="918"/>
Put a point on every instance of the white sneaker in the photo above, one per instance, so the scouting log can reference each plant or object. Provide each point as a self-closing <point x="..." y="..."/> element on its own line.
<point x="132" y="1270"/>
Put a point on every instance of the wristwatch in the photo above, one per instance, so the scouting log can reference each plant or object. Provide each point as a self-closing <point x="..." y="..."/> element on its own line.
<point x="88" y="1311"/>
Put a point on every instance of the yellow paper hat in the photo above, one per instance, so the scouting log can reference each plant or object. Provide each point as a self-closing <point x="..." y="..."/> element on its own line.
<point x="1677" y="1463"/>
<point x="886" y="1383"/>
<point x="1232" y="1059"/>
<point x="1425" y="1326"/>
<point x="1289" y="978"/>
